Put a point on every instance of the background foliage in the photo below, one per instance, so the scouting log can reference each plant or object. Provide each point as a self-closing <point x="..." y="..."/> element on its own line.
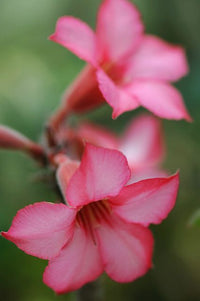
<point x="34" y="73"/>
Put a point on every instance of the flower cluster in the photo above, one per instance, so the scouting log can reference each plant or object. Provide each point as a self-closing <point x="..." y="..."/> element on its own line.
<point x="112" y="187"/>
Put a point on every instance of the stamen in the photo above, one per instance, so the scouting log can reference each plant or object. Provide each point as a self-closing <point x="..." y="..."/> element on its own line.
<point x="103" y="210"/>
<point x="91" y="215"/>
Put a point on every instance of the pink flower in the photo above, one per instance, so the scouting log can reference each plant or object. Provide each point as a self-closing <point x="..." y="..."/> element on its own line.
<point x="142" y="143"/>
<point x="132" y="69"/>
<point x="102" y="227"/>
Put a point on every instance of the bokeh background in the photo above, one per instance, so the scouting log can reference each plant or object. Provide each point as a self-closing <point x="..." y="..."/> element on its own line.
<point x="34" y="73"/>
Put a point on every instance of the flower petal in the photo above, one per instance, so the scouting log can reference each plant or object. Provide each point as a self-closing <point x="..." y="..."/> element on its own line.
<point x="157" y="59"/>
<point x="142" y="143"/>
<point x="102" y="173"/>
<point x="76" y="36"/>
<point x="126" y="249"/>
<point x="147" y="201"/>
<point x="42" y="229"/>
<point x="117" y="97"/>
<point x="78" y="263"/>
<point x="147" y="173"/>
<point x="97" y="135"/>
<point x="64" y="174"/>
<point x="160" y="98"/>
<point x="119" y="29"/>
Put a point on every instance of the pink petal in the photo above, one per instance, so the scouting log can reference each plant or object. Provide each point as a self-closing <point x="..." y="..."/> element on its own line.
<point x="102" y="173"/>
<point x="160" y="98"/>
<point x="147" y="173"/>
<point x="147" y="201"/>
<point x="142" y="143"/>
<point x="117" y="97"/>
<point x="157" y="59"/>
<point x="42" y="229"/>
<point x="97" y="135"/>
<point x="64" y="174"/>
<point x="76" y="36"/>
<point x="119" y="29"/>
<point x="78" y="263"/>
<point x="126" y="249"/>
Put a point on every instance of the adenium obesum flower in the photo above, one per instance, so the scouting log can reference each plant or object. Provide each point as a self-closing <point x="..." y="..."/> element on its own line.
<point x="102" y="226"/>
<point x="130" y="68"/>
<point x="142" y="143"/>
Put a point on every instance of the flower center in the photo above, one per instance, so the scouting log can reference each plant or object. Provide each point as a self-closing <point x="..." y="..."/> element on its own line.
<point x="90" y="216"/>
<point x="114" y="72"/>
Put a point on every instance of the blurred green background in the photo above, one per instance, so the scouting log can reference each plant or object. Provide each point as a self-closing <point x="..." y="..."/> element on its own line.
<point x="34" y="73"/>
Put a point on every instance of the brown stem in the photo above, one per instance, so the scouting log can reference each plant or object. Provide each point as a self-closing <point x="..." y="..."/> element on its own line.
<point x="37" y="153"/>
<point x="13" y="140"/>
<point x="91" y="292"/>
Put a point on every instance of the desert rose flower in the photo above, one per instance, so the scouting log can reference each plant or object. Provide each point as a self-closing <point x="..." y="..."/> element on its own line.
<point x="130" y="68"/>
<point x="102" y="226"/>
<point x="142" y="143"/>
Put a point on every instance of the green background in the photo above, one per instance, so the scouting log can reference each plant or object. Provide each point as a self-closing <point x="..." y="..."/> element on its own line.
<point x="34" y="73"/>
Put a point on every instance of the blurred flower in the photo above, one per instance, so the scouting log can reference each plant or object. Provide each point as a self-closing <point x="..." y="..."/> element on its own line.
<point x="103" y="226"/>
<point x="130" y="68"/>
<point x="142" y="143"/>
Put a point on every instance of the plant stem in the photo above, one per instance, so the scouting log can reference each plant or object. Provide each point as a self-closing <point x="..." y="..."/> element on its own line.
<point x="82" y="95"/>
<point x="90" y="292"/>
